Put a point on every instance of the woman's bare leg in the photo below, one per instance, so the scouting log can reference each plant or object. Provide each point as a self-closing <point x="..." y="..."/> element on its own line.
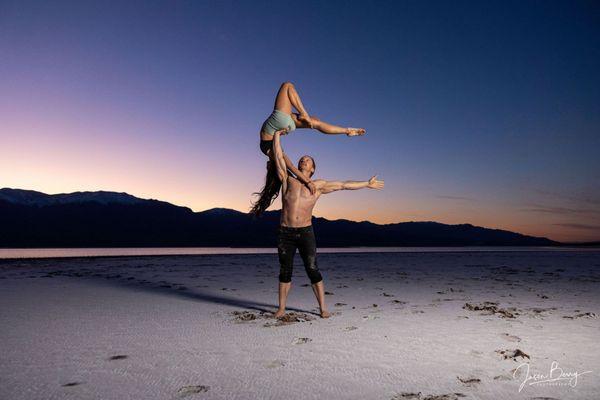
<point x="327" y="128"/>
<point x="288" y="97"/>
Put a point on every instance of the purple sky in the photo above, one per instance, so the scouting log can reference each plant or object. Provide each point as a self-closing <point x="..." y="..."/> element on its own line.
<point x="476" y="112"/>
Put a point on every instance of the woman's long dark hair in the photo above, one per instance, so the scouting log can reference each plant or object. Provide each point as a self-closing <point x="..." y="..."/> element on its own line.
<point x="269" y="192"/>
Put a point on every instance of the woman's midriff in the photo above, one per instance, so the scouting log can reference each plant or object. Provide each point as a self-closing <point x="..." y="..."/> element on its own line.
<point x="265" y="136"/>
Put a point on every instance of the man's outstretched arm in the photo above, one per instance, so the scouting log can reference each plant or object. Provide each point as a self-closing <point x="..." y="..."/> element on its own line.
<point x="331" y="186"/>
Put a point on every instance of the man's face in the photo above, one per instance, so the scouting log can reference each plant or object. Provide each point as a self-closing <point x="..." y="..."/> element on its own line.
<point x="306" y="165"/>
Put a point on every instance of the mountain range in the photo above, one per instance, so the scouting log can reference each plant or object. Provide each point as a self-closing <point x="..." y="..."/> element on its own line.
<point x="109" y="219"/>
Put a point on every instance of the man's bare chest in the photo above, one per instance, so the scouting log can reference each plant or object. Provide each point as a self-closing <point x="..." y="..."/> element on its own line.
<point x="299" y="193"/>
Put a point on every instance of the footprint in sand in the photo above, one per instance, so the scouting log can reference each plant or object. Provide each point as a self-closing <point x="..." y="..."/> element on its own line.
<point x="118" y="357"/>
<point x="244" y="316"/>
<point x="513" y="354"/>
<point x="290" y="318"/>
<point x="469" y="382"/>
<point x="368" y="317"/>
<point x="449" y="396"/>
<point x="407" y="396"/>
<point x="189" y="390"/>
<point x="419" y="396"/>
<point x="340" y="304"/>
<point x="491" y="308"/>
<point x="543" y="398"/>
<point x="275" y="364"/>
<point x="301" y="340"/>
<point x="350" y="328"/>
<point x="537" y="312"/>
<point x="582" y="315"/>
<point x="71" y="384"/>
<point x="475" y="353"/>
<point x="510" y="338"/>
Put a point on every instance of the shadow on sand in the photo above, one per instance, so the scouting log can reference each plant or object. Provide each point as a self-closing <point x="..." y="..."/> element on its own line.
<point x="189" y="294"/>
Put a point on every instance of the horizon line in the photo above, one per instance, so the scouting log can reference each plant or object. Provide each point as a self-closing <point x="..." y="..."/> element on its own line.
<point x="339" y="219"/>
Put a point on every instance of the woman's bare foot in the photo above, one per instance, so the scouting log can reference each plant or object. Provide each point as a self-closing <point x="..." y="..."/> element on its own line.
<point x="306" y="118"/>
<point x="325" y="314"/>
<point x="355" y="131"/>
<point x="279" y="313"/>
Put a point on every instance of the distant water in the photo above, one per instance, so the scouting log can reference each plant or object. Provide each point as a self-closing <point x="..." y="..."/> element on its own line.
<point x="156" y="251"/>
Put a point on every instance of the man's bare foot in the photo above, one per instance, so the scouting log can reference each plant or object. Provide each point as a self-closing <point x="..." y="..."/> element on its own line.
<point x="325" y="314"/>
<point x="355" y="131"/>
<point x="279" y="313"/>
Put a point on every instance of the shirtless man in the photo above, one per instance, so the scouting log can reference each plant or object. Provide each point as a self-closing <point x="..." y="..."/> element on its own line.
<point x="295" y="230"/>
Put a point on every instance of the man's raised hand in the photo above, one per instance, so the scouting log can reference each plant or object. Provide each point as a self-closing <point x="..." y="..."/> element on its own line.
<point x="374" y="183"/>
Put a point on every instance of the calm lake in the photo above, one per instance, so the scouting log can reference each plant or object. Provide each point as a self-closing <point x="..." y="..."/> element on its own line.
<point x="155" y="251"/>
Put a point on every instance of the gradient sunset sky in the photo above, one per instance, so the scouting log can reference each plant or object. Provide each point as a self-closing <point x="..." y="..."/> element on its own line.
<point x="476" y="112"/>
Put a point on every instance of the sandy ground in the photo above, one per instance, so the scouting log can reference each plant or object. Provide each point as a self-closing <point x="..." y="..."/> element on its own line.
<point x="404" y="326"/>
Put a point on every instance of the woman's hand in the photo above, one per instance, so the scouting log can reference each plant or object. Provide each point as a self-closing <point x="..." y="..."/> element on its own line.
<point x="282" y="132"/>
<point x="311" y="186"/>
